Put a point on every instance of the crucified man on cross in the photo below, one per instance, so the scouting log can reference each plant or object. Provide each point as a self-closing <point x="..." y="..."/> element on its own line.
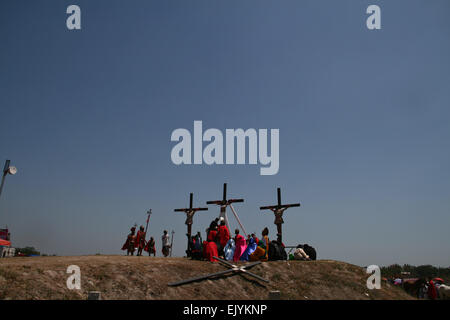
<point x="278" y="210"/>
<point x="278" y="218"/>
<point x="189" y="220"/>
<point x="190" y="212"/>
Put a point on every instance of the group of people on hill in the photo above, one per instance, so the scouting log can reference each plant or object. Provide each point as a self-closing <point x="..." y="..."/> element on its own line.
<point x="137" y="241"/>
<point x="219" y="243"/>
<point x="422" y="288"/>
<point x="429" y="290"/>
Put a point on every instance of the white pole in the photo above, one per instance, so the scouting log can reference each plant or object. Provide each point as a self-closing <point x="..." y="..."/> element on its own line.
<point x="239" y="221"/>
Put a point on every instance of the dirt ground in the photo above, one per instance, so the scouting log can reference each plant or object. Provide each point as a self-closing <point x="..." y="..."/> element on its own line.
<point x="122" y="277"/>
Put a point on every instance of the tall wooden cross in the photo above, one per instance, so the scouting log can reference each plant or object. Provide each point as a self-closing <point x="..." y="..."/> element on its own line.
<point x="224" y="203"/>
<point x="190" y="215"/>
<point x="278" y="210"/>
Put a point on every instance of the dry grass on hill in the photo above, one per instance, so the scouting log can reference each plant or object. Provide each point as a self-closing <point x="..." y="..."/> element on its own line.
<point x="121" y="277"/>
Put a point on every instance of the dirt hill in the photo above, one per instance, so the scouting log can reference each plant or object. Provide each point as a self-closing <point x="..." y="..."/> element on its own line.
<point x="121" y="277"/>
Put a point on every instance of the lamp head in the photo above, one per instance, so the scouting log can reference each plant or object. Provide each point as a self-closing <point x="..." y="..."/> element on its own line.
<point x="12" y="170"/>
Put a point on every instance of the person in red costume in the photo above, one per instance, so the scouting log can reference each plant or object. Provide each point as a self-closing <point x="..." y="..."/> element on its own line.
<point x="212" y="233"/>
<point x="211" y="246"/>
<point x="150" y="247"/>
<point x="432" y="293"/>
<point x="140" y="241"/>
<point x="129" y="244"/>
<point x="204" y="246"/>
<point x="241" y="245"/>
<point x="223" y="235"/>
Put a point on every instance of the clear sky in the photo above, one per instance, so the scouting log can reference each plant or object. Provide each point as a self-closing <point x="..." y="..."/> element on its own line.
<point x="86" y="117"/>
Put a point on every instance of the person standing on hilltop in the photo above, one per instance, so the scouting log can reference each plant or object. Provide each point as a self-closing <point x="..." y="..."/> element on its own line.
<point x="140" y="241"/>
<point x="130" y="243"/>
<point x="150" y="247"/>
<point x="211" y="246"/>
<point x="223" y="235"/>
<point x="165" y="243"/>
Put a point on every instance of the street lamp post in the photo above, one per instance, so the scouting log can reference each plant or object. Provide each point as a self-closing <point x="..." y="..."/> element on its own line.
<point x="7" y="170"/>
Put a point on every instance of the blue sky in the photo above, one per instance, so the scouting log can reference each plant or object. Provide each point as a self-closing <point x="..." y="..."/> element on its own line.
<point x="363" y="118"/>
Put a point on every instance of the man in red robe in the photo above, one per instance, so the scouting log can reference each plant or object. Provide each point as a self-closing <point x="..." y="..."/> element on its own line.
<point x="129" y="244"/>
<point x="211" y="246"/>
<point x="140" y="241"/>
<point x="211" y="251"/>
<point x="223" y="234"/>
<point x="432" y="292"/>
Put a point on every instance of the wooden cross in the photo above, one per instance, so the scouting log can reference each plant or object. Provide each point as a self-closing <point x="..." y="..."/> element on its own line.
<point x="190" y="215"/>
<point x="232" y="269"/>
<point x="223" y="207"/>
<point x="278" y="210"/>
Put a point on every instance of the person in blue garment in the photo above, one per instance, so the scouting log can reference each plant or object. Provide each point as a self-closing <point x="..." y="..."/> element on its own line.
<point x="228" y="250"/>
<point x="251" y="247"/>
